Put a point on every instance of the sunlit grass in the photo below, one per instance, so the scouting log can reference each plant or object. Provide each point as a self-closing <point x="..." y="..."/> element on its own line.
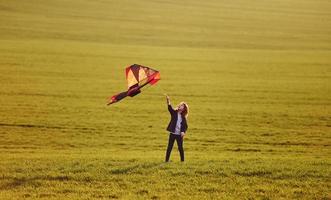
<point x="256" y="76"/>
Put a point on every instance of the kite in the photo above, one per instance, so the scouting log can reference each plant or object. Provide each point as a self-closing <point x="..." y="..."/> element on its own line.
<point x="137" y="77"/>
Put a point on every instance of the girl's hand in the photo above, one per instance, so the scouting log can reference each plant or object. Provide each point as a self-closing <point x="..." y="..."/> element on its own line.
<point x="182" y="134"/>
<point x="168" y="99"/>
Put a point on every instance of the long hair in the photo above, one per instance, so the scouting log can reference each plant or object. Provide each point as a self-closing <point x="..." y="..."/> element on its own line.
<point x="186" y="109"/>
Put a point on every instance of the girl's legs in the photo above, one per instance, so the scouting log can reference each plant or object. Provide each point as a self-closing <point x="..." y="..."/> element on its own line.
<point x="179" y="141"/>
<point x="170" y="145"/>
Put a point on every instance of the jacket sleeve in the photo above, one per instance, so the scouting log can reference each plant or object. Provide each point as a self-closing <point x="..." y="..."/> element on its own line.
<point x="184" y="127"/>
<point x="171" y="110"/>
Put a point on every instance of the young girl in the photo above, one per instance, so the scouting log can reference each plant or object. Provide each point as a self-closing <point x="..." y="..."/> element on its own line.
<point x="177" y="127"/>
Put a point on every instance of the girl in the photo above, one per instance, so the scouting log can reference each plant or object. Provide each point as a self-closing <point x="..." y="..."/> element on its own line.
<point x="177" y="127"/>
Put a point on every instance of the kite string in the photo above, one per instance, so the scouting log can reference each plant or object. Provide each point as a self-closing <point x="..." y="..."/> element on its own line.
<point x="163" y="93"/>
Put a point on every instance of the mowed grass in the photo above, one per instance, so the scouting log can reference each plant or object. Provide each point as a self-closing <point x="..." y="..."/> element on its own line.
<point x="256" y="75"/>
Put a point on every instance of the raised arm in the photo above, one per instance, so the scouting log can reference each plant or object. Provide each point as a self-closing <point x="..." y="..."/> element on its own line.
<point x="171" y="110"/>
<point x="168" y="99"/>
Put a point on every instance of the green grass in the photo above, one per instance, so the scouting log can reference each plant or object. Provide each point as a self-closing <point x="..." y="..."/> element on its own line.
<point x="256" y="75"/>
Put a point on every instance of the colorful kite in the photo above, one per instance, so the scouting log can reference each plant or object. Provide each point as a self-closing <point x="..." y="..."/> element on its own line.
<point x="137" y="76"/>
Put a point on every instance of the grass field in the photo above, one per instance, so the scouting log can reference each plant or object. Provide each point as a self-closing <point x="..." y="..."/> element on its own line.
<point x="256" y="75"/>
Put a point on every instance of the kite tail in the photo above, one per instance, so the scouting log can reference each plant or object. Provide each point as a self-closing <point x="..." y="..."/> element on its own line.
<point x="117" y="98"/>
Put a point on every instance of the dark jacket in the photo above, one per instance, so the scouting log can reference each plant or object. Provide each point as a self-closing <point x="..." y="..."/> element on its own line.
<point x="172" y="124"/>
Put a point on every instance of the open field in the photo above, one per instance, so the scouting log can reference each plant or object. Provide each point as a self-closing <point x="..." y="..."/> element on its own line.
<point x="256" y="75"/>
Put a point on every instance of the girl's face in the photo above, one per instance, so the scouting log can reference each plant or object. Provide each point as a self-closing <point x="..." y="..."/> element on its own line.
<point x="181" y="108"/>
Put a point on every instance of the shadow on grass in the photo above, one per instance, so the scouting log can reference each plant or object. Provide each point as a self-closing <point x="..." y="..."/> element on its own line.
<point x="19" y="182"/>
<point x="136" y="168"/>
<point x="13" y="183"/>
<point x="258" y="173"/>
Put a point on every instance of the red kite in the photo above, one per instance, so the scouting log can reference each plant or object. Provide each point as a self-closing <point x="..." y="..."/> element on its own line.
<point x="137" y="76"/>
